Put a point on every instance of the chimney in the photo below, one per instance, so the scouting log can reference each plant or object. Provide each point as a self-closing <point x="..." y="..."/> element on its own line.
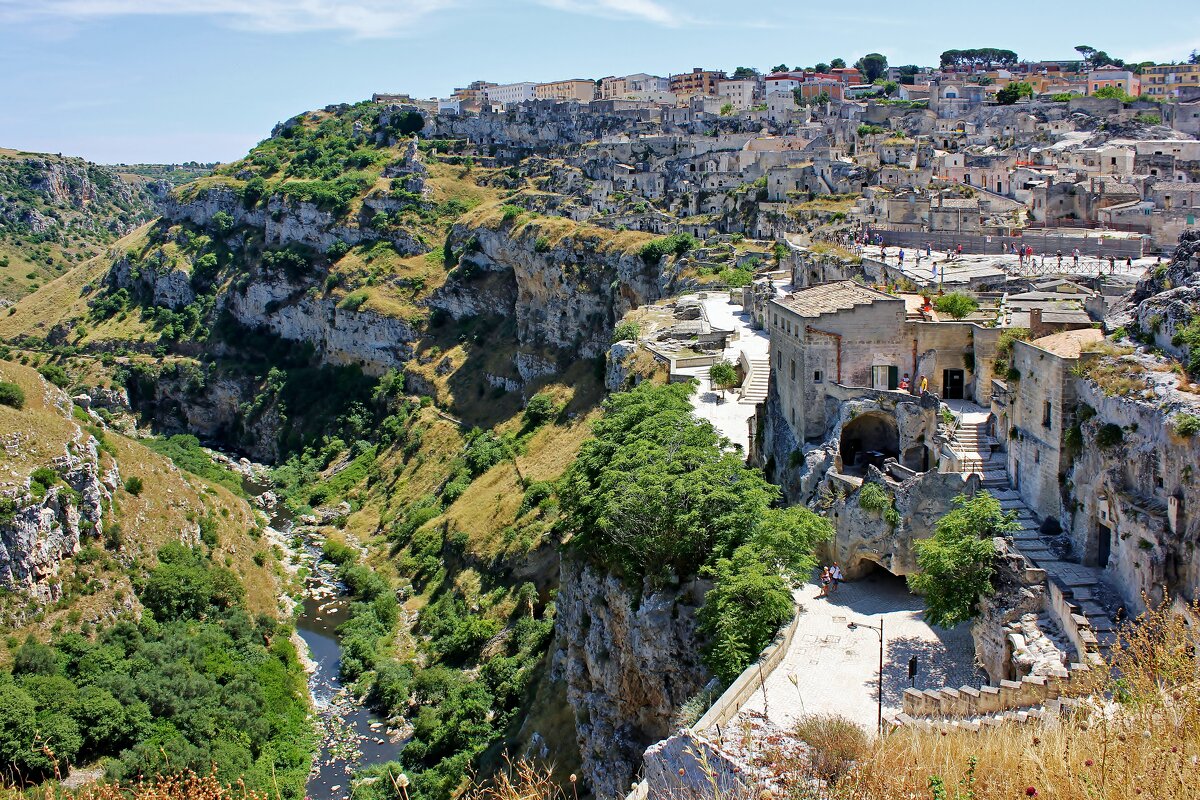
<point x="1035" y="323"/>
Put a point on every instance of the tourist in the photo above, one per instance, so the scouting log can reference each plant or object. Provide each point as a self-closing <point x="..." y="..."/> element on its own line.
<point x="959" y="251"/>
<point x="901" y="262"/>
<point x="1129" y="262"/>
<point x="904" y="383"/>
<point x="929" y="249"/>
<point x="1060" y="259"/>
<point x="835" y="577"/>
<point x="1075" y="255"/>
<point x="825" y="579"/>
<point x="924" y="384"/>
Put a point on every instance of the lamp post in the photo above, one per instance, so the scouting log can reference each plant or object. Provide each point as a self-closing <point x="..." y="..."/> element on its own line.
<point x="879" y="703"/>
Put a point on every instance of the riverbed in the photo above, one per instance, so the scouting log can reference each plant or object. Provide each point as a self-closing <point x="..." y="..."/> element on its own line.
<point x="351" y="736"/>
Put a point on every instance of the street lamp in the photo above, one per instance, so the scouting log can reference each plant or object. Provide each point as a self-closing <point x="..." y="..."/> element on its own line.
<point x="879" y="630"/>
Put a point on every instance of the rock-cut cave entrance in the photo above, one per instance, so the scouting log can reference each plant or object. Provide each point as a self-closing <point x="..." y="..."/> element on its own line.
<point x="869" y="438"/>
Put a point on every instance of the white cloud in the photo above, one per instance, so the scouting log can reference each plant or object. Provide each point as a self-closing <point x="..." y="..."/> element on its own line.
<point x="363" y="18"/>
<point x="644" y="10"/>
<point x="360" y="18"/>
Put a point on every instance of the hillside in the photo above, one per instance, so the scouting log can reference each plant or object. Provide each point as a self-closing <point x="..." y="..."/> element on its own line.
<point x="56" y="212"/>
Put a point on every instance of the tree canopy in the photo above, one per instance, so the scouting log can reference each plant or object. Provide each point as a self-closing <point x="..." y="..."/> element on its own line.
<point x="979" y="57"/>
<point x="658" y="492"/>
<point x="873" y="66"/>
<point x="956" y="304"/>
<point x="957" y="562"/>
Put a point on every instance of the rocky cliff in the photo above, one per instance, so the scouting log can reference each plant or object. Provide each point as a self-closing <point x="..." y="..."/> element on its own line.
<point x="565" y="284"/>
<point x="630" y="659"/>
<point x="52" y="500"/>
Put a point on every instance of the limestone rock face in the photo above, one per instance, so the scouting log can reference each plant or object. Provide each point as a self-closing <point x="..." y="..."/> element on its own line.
<point x="340" y="336"/>
<point x="630" y="660"/>
<point x="42" y="531"/>
<point x="566" y="296"/>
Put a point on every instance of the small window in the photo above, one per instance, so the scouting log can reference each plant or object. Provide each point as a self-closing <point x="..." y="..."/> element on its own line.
<point x="793" y="369"/>
<point x="778" y="359"/>
<point x="818" y="377"/>
<point x="1047" y="411"/>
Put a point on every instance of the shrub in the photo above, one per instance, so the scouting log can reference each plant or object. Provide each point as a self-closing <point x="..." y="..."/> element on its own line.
<point x="956" y="563"/>
<point x="835" y="743"/>
<point x="956" y="304"/>
<point x="627" y="331"/>
<point x="12" y="395"/>
<point x="541" y="245"/>
<point x="133" y="485"/>
<point x="1186" y="425"/>
<point x="676" y="244"/>
<point x="509" y="212"/>
<point x="540" y="410"/>
<point x="354" y="301"/>
<point x="55" y="374"/>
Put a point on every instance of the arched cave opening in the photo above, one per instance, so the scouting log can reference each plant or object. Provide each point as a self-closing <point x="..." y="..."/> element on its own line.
<point x="869" y="438"/>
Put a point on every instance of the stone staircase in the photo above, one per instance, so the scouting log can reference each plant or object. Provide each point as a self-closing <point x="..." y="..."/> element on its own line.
<point x="1072" y="602"/>
<point x="754" y="388"/>
<point x="1048" y="710"/>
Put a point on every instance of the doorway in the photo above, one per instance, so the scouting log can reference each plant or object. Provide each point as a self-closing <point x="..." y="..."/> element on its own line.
<point x="953" y="384"/>
<point x="1103" y="545"/>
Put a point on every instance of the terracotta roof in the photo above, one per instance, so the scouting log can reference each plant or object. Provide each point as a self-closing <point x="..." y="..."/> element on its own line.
<point x="829" y="298"/>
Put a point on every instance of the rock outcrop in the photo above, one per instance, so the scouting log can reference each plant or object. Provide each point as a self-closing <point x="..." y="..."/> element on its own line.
<point x="42" y="526"/>
<point x="630" y="659"/>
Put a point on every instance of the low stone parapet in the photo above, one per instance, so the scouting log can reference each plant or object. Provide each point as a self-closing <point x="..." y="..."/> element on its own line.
<point x="972" y="701"/>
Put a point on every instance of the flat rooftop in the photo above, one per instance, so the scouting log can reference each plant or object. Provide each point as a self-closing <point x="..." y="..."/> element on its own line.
<point x="829" y="298"/>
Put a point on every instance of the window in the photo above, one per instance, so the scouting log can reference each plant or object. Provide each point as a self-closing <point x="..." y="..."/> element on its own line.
<point x="817" y="377"/>
<point x="779" y="359"/>
<point x="793" y="369"/>
<point x="1047" y="411"/>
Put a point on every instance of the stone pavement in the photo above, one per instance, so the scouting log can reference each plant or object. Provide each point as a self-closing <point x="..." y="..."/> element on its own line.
<point x="730" y="417"/>
<point x="835" y="669"/>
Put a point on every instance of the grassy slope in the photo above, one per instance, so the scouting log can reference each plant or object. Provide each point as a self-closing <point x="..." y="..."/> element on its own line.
<point x="171" y="501"/>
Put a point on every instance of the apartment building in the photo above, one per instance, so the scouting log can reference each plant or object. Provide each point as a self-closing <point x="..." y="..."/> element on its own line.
<point x="579" y="89"/>
<point x="741" y="94"/>
<point x="1114" y="77"/>
<point x="510" y="94"/>
<point x="698" y="81"/>
<point x="1166" y="80"/>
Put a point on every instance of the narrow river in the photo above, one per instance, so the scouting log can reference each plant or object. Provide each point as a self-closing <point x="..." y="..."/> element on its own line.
<point x="351" y="737"/>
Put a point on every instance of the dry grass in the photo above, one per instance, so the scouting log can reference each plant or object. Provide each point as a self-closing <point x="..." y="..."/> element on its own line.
<point x="1115" y="371"/>
<point x="184" y="786"/>
<point x="1145" y="744"/>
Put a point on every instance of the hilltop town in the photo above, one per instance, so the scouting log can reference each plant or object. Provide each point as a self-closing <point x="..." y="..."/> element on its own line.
<point x="535" y="407"/>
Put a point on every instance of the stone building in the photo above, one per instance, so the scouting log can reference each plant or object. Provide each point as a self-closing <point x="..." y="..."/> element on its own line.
<point x="841" y="341"/>
<point x="1034" y="412"/>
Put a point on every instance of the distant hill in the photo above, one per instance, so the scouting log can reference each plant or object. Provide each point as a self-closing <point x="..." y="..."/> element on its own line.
<point x="58" y="211"/>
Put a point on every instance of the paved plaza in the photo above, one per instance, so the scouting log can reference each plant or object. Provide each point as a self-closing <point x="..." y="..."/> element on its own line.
<point x="835" y="669"/>
<point x="722" y="408"/>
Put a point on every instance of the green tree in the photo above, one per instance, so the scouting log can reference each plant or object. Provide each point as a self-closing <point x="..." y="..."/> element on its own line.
<point x="820" y="66"/>
<point x="626" y="331"/>
<point x="957" y="304"/>
<point x="1112" y="93"/>
<point x="727" y="110"/>
<point x="742" y="612"/>
<point x="837" y="63"/>
<point x="744" y="73"/>
<point x="957" y="562"/>
<point x="1014" y="92"/>
<point x="872" y="66"/>
<point x="723" y="375"/>
<point x="780" y="68"/>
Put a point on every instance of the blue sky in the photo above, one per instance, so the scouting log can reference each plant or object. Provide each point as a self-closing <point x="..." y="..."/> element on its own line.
<point x="176" y="80"/>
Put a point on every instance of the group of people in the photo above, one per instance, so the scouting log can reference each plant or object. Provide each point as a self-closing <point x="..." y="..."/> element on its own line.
<point x="906" y="385"/>
<point x="831" y="576"/>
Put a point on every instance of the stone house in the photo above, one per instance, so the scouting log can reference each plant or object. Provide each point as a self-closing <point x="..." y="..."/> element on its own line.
<point x="1035" y="411"/>
<point x="1185" y="117"/>
<point x="839" y="341"/>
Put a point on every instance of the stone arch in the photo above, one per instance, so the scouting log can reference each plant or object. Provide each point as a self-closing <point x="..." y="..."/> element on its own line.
<point x="870" y="436"/>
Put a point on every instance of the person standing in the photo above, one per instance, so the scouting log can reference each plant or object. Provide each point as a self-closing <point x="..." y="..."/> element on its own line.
<point x="835" y="577"/>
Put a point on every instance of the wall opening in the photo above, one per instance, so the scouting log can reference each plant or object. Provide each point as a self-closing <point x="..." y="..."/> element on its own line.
<point x="869" y="438"/>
